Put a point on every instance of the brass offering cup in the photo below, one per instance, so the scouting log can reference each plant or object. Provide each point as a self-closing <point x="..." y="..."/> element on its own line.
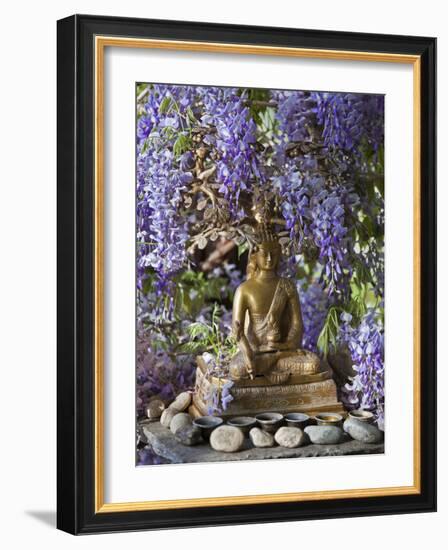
<point x="269" y="422"/>
<point x="207" y="424"/>
<point x="297" y="420"/>
<point x="361" y="415"/>
<point x="329" y="419"/>
<point x="244" y="423"/>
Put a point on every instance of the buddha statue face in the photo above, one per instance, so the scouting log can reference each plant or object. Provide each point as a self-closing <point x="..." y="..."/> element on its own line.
<point x="267" y="256"/>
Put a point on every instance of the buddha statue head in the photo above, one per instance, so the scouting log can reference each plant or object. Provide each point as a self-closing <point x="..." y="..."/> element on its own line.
<point x="265" y="257"/>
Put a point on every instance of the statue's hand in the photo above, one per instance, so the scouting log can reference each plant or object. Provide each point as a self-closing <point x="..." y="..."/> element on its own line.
<point x="284" y="346"/>
<point x="250" y="367"/>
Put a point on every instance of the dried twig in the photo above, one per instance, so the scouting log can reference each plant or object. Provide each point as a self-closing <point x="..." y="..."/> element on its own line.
<point x="216" y="257"/>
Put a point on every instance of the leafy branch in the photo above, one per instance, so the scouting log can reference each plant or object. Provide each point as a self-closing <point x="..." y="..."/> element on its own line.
<point x="209" y="337"/>
<point x="329" y="333"/>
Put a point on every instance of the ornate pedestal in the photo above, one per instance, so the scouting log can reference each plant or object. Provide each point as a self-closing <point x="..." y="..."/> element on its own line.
<point x="308" y="393"/>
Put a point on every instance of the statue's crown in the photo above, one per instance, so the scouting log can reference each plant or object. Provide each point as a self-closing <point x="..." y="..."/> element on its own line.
<point x="265" y="234"/>
<point x="263" y="229"/>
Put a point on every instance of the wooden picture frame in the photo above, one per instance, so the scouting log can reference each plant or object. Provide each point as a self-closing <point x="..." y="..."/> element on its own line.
<point x="82" y="40"/>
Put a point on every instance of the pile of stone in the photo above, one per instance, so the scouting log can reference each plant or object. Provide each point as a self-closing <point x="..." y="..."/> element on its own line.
<point x="229" y="438"/>
<point x="176" y="419"/>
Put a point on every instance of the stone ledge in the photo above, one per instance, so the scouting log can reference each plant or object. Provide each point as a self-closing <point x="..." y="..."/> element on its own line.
<point x="165" y="445"/>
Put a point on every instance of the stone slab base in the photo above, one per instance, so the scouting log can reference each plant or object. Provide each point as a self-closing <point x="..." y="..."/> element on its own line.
<point x="165" y="445"/>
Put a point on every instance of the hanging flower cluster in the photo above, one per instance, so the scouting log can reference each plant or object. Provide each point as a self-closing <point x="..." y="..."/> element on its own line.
<point x="366" y="345"/>
<point x="186" y="136"/>
<point x="351" y="120"/>
<point x="162" y="231"/>
<point x="315" y="186"/>
<point x="314" y="301"/>
<point x="232" y="140"/>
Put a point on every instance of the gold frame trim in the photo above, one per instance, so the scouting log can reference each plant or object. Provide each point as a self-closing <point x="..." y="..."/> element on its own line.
<point x="101" y="42"/>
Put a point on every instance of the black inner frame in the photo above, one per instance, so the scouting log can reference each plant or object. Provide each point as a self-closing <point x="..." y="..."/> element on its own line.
<point x="75" y="309"/>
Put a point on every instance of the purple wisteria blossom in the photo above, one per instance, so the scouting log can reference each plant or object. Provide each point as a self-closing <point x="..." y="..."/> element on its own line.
<point x="159" y="374"/>
<point x="161" y="229"/>
<point x="219" y="398"/>
<point x="234" y="277"/>
<point x="234" y="140"/>
<point x="316" y="174"/>
<point x="366" y="346"/>
<point x="164" y="177"/>
<point x="348" y="120"/>
<point x="314" y="301"/>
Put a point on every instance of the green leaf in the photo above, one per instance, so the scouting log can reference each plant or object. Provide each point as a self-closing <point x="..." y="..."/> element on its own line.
<point x="329" y="333"/>
<point x="181" y="145"/>
<point x="165" y="105"/>
<point x="380" y="186"/>
<point x="256" y="109"/>
<point x="186" y="302"/>
<point x="140" y="87"/>
<point x="148" y="284"/>
<point x="242" y="248"/>
<point x="193" y="347"/>
<point x="190" y="115"/>
<point x="198" y="330"/>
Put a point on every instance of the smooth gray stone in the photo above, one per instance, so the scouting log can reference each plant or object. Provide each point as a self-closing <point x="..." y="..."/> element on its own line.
<point x="155" y="409"/>
<point x="188" y="435"/>
<point x="164" y="443"/>
<point x="260" y="438"/>
<point x="324" y="435"/>
<point x="180" y="420"/>
<point x="182" y="401"/>
<point x="167" y="416"/>
<point x="363" y="431"/>
<point x="227" y="439"/>
<point x="290" y="438"/>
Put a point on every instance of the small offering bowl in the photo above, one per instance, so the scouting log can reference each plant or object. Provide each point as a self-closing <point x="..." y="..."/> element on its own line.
<point x="207" y="424"/>
<point x="329" y="419"/>
<point x="297" y="420"/>
<point x="269" y="422"/>
<point x="361" y="415"/>
<point x="244" y="423"/>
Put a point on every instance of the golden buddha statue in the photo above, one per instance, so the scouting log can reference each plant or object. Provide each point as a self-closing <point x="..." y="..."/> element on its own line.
<point x="270" y="372"/>
<point x="267" y="320"/>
